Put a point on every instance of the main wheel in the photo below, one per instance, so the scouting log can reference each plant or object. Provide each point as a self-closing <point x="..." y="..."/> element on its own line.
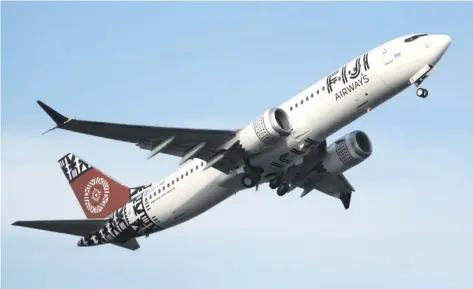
<point x="250" y="180"/>
<point x="426" y="92"/>
<point x="422" y="92"/>
<point x="282" y="190"/>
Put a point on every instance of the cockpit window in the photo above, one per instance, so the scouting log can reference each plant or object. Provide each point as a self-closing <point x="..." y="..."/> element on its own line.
<point x="412" y="38"/>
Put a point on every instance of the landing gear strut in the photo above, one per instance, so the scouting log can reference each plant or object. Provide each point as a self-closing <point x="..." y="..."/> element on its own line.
<point x="422" y="92"/>
<point x="419" y="77"/>
<point x="275" y="183"/>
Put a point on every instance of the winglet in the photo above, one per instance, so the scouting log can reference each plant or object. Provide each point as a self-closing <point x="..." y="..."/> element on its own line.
<point x="58" y="118"/>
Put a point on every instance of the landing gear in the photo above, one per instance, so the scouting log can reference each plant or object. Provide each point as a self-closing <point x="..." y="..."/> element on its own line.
<point x="251" y="176"/>
<point x="422" y="92"/>
<point x="250" y="180"/>
<point x="275" y="183"/>
<point x="282" y="190"/>
<point x="419" y="77"/>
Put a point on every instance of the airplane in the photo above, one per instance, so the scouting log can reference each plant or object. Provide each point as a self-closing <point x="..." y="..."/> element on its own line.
<point x="285" y="146"/>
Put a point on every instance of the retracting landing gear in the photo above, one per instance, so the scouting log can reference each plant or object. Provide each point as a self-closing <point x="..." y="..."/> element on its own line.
<point x="422" y="92"/>
<point x="282" y="187"/>
<point x="282" y="190"/>
<point x="250" y="179"/>
<point x="275" y="183"/>
<point x="251" y="176"/>
<point x="419" y="77"/>
<point x="285" y="182"/>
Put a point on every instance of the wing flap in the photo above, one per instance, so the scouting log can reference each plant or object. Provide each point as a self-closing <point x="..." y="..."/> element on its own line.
<point x="335" y="185"/>
<point x="131" y="244"/>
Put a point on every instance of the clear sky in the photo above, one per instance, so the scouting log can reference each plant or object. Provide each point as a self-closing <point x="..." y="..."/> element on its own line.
<point x="219" y="65"/>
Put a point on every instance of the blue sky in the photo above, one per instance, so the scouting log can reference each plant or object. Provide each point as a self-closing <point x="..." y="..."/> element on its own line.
<point x="220" y="65"/>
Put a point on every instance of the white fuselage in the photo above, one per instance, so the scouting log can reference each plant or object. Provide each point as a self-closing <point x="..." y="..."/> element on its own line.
<point x="315" y="113"/>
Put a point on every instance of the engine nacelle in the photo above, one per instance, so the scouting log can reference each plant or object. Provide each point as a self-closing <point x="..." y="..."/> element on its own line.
<point x="269" y="128"/>
<point x="347" y="152"/>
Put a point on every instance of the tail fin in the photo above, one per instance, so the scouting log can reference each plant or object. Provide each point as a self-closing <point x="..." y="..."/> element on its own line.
<point x="98" y="194"/>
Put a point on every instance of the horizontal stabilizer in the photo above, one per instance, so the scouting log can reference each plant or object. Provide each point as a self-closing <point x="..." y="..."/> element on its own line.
<point x="71" y="227"/>
<point x="80" y="228"/>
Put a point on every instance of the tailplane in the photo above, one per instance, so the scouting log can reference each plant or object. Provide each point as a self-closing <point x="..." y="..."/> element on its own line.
<point x="98" y="194"/>
<point x="77" y="228"/>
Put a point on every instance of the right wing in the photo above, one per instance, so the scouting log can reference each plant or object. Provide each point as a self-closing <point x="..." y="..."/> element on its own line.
<point x="206" y="144"/>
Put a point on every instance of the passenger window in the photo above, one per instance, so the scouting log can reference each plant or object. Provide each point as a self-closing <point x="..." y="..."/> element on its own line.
<point x="173" y="182"/>
<point x="311" y="95"/>
<point x="168" y="185"/>
<point x="197" y="167"/>
<point x="192" y="170"/>
<point x="296" y="105"/>
<point x="202" y="164"/>
<point x="307" y="98"/>
<point x="302" y="101"/>
<point x="290" y="108"/>
<point x="317" y="91"/>
<point x="187" y="174"/>
<point x="323" y="88"/>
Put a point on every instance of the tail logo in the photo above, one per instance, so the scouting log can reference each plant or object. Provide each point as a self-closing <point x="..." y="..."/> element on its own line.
<point x="96" y="195"/>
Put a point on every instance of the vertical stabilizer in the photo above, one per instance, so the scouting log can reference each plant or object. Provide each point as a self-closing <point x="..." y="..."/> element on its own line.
<point x="98" y="194"/>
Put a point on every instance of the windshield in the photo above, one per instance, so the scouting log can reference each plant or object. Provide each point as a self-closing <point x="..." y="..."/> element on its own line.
<point x="412" y="38"/>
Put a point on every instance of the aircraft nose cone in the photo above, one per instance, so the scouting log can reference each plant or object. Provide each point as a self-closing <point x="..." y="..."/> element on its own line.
<point x="444" y="41"/>
<point x="440" y="44"/>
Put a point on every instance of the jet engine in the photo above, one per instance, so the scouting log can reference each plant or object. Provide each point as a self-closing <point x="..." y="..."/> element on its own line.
<point x="347" y="152"/>
<point x="269" y="128"/>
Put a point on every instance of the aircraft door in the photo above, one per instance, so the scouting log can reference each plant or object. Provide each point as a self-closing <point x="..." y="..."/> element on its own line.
<point x="387" y="56"/>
